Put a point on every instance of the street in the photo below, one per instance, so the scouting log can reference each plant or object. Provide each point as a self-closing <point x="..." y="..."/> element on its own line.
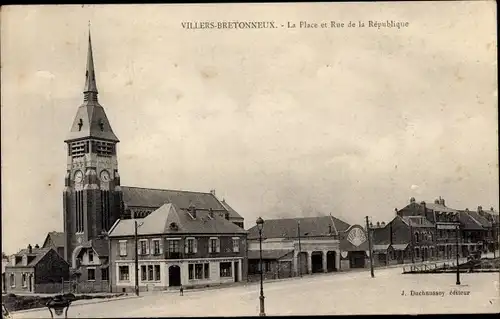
<point x="324" y="294"/>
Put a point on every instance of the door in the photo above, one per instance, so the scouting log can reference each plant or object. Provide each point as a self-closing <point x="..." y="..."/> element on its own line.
<point x="236" y="272"/>
<point x="31" y="282"/>
<point x="174" y="276"/>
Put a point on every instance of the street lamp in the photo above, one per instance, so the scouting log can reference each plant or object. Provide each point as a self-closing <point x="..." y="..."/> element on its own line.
<point x="368" y="229"/>
<point x="58" y="303"/>
<point x="136" y="225"/>
<point x="300" y="250"/>
<point x="457" y="235"/>
<point x="260" y="225"/>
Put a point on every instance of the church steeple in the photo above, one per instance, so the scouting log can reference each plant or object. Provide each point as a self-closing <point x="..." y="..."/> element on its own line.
<point x="91" y="120"/>
<point x="90" y="90"/>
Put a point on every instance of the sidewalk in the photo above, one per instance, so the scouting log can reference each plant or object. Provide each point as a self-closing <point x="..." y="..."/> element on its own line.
<point x="81" y="302"/>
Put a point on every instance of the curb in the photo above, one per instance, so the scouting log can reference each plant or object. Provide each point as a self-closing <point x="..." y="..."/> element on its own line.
<point x="81" y="302"/>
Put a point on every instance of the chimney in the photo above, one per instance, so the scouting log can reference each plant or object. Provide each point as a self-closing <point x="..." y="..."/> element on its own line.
<point x="378" y="224"/>
<point x="441" y="201"/>
<point x="383" y="224"/>
<point x="479" y="209"/>
<point x="412" y="200"/>
<point x="37" y="247"/>
<point x="192" y="210"/>
<point x="30" y="249"/>
<point x="212" y="191"/>
<point x="492" y="209"/>
<point x="437" y="201"/>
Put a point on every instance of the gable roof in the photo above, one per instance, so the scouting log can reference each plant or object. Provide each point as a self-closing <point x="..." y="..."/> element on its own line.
<point x="478" y="218"/>
<point x="231" y="211"/>
<point x="37" y="253"/>
<point x="57" y="239"/>
<point x="288" y="227"/>
<point x="155" y="198"/>
<point x="159" y="221"/>
<point x="468" y="222"/>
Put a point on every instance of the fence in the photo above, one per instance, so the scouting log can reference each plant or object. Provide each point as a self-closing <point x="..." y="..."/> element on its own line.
<point x="76" y="287"/>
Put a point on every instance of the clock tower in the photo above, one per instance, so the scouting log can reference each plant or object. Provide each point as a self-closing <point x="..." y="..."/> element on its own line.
<point x="92" y="196"/>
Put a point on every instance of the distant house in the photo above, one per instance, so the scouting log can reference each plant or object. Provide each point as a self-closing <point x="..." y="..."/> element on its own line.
<point x="55" y="240"/>
<point x="36" y="270"/>
<point x="188" y="247"/>
<point x="5" y="261"/>
<point x="294" y="246"/>
<point x="92" y="268"/>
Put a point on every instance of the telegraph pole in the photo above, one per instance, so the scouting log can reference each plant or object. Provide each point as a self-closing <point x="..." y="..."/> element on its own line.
<point x="411" y="241"/>
<point x="136" y="259"/>
<point x="300" y="250"/>
<point x="370" y="246"/>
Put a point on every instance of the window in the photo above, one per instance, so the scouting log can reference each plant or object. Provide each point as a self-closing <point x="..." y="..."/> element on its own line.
<point x="191" y="271"/>
<point x="173" y="246"/>
<point x="91" y="256"/>
<point x="25" y="282"/>
<point x="214" y="245"/>
<point x="105" y="274"/>
<point x="416" y="237"/>
<point x="91" y="274"/>
<point x="190" y="246"/>
<point x="236" y="244"/>
<point x="198" y="271"/>
<point x="12" y="280"/>
<point x="417" y="252"/>
<point x="123" y="273"/>
<point x="157" y="273"/>
<point x="156" y="246"/>
<point x="225" y="269"/>
<point x="150" y="272"/>
<point x="143" y="247"/>
<point x="207" y="270"/>
<point x="123" y="248"/>
<point x="144" y="275"/>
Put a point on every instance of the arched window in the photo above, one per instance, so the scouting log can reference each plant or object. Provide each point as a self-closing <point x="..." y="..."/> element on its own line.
<point x="417" y="252"/>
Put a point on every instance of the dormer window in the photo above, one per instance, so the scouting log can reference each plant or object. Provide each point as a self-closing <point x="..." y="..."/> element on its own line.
<point x="80" y="124"/>
<point x="101" y="125"/>
<point x="174" y="226"/>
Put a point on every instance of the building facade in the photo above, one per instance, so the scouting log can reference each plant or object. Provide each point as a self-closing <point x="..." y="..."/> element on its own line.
<point x="428" y="231"/>
<point x="36" y="270"/>
<point x="177" y="247"/>
<point x="298" y="246"/>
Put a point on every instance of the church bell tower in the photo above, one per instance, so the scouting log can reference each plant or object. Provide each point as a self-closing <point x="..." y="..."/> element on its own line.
<point x="92" y="195"/>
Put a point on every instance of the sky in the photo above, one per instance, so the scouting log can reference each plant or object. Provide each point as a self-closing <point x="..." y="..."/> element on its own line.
<point x="280" y="122"/>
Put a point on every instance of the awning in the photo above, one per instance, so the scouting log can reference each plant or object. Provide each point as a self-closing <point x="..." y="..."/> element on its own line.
<point x="268" y="254"/>
<point x="399" y="246"/>
<point x="380" y="247"/>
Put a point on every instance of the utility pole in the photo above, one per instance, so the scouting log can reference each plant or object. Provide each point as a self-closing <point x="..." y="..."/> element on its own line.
<point x="458" y="268"/>
<point x="412" y="244"/>
<point x="368" y="230"/>
<point x="136" y="259"/>
<point x="300" y="250"/>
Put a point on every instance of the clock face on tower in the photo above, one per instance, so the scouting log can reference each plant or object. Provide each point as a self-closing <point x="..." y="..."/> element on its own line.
<point x="105" y="176"/>
<point x="78" y="176"/>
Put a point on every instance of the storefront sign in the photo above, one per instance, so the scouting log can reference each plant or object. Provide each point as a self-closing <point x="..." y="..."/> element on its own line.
<point x="344" y="254"/>
<point x="447" y="226"/>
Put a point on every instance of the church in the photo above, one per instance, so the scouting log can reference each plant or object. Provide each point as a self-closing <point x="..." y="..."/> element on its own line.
<point x="93" y="198"/>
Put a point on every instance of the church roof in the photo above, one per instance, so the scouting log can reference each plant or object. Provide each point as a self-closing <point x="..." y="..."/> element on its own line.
<point x="91" y="120"/>
<point x="149" y="197"/>
<point x="56" y="239"/>
<point x="309" y="226"/>
<point x="161" y="221"/>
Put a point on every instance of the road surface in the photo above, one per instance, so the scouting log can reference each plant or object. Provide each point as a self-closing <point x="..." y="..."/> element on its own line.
<point x="324" y="294"/>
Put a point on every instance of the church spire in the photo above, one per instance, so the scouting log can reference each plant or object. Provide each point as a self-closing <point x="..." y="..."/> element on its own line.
<point x="90" y="90"/>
